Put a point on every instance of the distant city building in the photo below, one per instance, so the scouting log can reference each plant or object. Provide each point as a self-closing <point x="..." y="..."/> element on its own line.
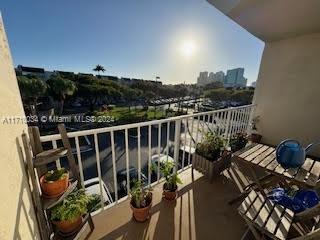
<point x="219" y="76"/>
<point x="211" y="77"/>
<point x="39" y="72"/>
<point x="253" y="84"/>
<point x="203" y="79"/>
<point x="235" y="78"/>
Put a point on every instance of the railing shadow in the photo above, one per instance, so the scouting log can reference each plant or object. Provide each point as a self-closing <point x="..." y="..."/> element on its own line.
<point x="201" y="211"/>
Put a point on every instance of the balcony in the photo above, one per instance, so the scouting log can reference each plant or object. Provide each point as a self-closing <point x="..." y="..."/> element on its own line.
<point x="201" y="210"/>
<point x="286" y="99"/>
<point x="109" y="156"/>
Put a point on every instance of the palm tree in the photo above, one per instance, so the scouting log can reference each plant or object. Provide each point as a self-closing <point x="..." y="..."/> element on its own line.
<point x="60" y="88"/>
<point x="99" y="69"/>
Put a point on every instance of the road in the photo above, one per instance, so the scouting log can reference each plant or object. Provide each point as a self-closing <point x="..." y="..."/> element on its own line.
<point x="88" y="158"/>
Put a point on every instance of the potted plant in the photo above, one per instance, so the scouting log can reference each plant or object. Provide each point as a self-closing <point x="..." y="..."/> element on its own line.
<point x="238" y="142"/>
<point x="211" y="147"/>
<point x="67" y="215"/>
<point x="172" y="179"/>
<point x="141" y="201"/>
<point x="211" y="156"/>
<point x="54" y="183"/>
<point x="255" y="137"/>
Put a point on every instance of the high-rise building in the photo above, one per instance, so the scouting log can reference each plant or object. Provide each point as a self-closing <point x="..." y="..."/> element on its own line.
<point x="235" y="78"/>
<point x="203" y="79"/>
<point x="219" y="76"/>
<point x="211" y="77"/>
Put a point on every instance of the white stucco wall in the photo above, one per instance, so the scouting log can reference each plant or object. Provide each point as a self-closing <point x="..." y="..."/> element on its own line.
<point x="17" y="219"/>
<point x="288" y="90"/>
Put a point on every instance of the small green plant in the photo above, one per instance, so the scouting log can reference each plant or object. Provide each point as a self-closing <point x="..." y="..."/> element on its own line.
<point x="172" y="179"/>
<point x="73" y="206"/>
<point x="140" y="197"/>
<point x="211" y="146"/>
<point x="55" y="175"/>
<point x="238" y="142"/>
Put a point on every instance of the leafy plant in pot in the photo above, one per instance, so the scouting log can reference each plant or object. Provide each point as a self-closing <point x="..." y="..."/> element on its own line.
<point x="211" y="147"/>
<point x="141" y="201"/>
<point x="172" y="179"/>
<point x="54" y="183"/>
<point x="255" y="137"/>
<point x="238" y="142"/>
<point x="67" y="215"/>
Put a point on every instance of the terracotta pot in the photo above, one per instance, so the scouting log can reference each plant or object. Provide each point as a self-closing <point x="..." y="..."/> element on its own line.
<point x="169" y="194"/>
<point x="142" y="214"/>
<point x="54" y="189"/>
<point x="256" y="138"/>
<point x="68" y="226"/>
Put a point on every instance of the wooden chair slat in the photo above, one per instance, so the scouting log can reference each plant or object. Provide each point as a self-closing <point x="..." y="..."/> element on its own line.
<point x="256" y="206"/>
<point x="250" y="150"/>
<point x="274" y="218"/>
<point x="246" y="148"/>
<point x="262" y="156"/>
<point x="279" y="169"/>
<point x="284" y="225"/>
<point x="256" y="153"/>
<point x="304" y="170"/>
<point x="272" y="166"/>
<point x="246" y="204"/>
<point x="265" y="212"/>
<point x="291" y="172"/>
<point x="265" y="162"/>
<point x="314" y="174"/>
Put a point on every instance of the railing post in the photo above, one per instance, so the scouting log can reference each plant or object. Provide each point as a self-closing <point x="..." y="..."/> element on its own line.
<point x="228" y="124"/>
<point x="177" y="136"/>
<point x="251" y="114"/>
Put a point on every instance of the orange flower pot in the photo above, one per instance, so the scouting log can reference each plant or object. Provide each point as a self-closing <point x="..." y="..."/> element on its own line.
<point x="68" y="226"/>
<point x="141" y="214"/>
<point x="54" y="189"/>
<point x="168" y="194"/>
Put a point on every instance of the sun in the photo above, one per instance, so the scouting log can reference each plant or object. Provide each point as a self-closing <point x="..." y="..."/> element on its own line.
<point x="187" y="48"/>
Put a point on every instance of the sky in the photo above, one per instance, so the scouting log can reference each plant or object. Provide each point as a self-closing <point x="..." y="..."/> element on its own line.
<point x="172" y="39"/>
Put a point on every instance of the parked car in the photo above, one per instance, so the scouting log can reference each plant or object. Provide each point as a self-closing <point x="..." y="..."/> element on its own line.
<point x="92" y="186"/>
<point x="122" y="180"/>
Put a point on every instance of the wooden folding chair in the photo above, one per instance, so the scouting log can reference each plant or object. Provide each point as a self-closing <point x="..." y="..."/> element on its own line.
<point x="265" y="218"/>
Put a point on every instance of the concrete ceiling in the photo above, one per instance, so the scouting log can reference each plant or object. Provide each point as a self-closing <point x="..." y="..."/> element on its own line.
<point x="272" y="20"/>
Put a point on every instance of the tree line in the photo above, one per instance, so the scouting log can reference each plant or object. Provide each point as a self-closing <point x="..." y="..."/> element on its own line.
<point x="94" y="91"/>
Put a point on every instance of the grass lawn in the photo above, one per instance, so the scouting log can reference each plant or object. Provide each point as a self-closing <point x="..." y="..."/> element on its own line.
<point x="123" y="115"/>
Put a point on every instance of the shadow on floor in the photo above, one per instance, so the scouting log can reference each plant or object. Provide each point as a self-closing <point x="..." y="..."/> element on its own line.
<point x="201" y="211"/>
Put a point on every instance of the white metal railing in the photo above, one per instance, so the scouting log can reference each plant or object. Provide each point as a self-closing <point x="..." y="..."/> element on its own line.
<point x="182" y="132"/>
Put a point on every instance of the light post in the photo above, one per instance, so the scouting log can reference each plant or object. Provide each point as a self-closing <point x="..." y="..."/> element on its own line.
<point x="157" y="92"/>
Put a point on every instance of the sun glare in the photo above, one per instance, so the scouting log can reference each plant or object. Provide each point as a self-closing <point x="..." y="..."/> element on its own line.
<point x="187" y="48"/>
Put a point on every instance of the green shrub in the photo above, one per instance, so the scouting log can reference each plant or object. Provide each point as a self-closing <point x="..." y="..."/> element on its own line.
<point x="238" y="142"/>
<point x="172" y="179"/>
<point x="73" y="206"/>
<point x="140" y="197"/>
<point x="210" y="148"/>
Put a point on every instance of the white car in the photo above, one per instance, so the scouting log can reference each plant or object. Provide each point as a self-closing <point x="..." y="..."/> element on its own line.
<point x="163" y="158"/>
<point x="92" y="186"/>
